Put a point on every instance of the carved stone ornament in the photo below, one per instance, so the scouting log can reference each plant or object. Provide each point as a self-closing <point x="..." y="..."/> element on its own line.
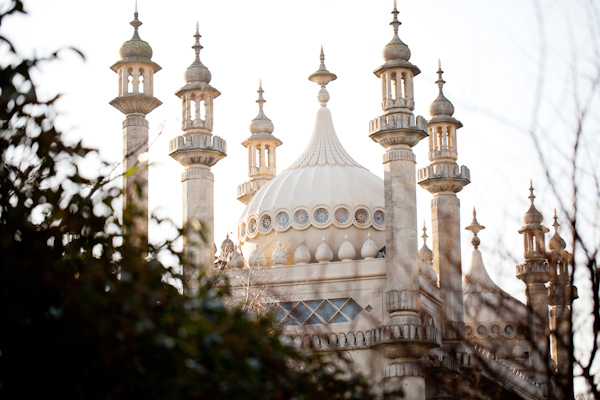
<point x="135" y="103"/>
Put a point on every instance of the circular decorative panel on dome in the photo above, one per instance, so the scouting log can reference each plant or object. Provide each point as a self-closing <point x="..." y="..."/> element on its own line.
<point x="469" y="331"/>
<point x="495" y="330"/>
<point x="265" y="222"/>
<point x="321" y="216"/>
<point x="243" y="230"/>
<point x="301" y="218"/>
<point x="378" y="217"/>
<point x="361" y="216"/>
<point x="252" y="226"/>
<point x="481" y="330"/>
<point x="509" y="330"/>
<point x="341" y="215"/>
<point x="521" y="331"/>
<point x="282" y="220"/>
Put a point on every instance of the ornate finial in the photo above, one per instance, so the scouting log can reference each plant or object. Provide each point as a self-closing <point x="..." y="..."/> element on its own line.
<point x="136" y="23"/>
<point x="555" y="224"/>
<point x="197" y="46"/>
<point x="322" y="77"/>
<point x="395" y="23"/>
<point x="260" y="92"/>
<point x="424" y="233"/>
<point x="440" y="82"/>
<point x="475" y="227"/>
<point x="531" y="195"/>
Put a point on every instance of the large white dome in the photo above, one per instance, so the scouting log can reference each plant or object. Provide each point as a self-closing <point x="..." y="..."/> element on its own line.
<point x="324" y="194"/>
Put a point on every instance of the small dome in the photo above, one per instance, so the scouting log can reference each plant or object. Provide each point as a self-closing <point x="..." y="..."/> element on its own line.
<point x="136" y="48"/>
<point x="517" y="351"/>
<point x="236" y="261"/>
<point x="428" y="272"/>
<point x="261" y="124"/>
<point x="197" y="72"/>
<point x="279" y="257"/>
<point x="324" y="253"/>
<point x="532" y="216"/>
<point x="257" y="259"/>
<point x="396" y="50"/>
<point x="369" y="249"/>
<point x="302" y="254"/>
<point x="441" y="106"/>
<point x="346" y="251"/>
<point x="227" y="246"/>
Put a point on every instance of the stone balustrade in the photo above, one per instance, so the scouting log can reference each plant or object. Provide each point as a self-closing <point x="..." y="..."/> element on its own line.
<point x="443" y="171"/>
<point x="197" y="141"/>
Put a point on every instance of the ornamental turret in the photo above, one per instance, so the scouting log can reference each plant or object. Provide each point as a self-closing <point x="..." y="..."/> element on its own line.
<point x="198" y="150"/>
<point x="135" y="99"/>
<point x="397" y="131"/>
<point x="561" y="293"/>
<point x="444" y="178"/>
<point x="261" y="147"/>
<point x="535" y="273"/>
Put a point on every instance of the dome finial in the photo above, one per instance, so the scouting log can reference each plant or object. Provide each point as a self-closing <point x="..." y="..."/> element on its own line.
<point x="262" y="123"/>
<point x="395" y="23"/>
<point x="136" y="23"/>
<point x="424" y="236"/>
<point x="197" y="72"/>
<point x="197" y="46"/>
<point x="475" y="227"/>
<point x="555" y="224"/>
<point x="440" y="82"/>
<point x="531" y="195"/>
<point x="322" y="77"/>
<point x="425" y="252"/>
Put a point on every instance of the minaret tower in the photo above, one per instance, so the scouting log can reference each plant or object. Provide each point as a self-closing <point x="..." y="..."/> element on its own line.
<point x="444" y="178"/>
<point x="198" y="150"/>
<point x="535" y="273"/>
<point x="261" y="152"/>
<point x="397" y="130"/>
<point x="560" y="296"/>
<point x="136" y="99"/>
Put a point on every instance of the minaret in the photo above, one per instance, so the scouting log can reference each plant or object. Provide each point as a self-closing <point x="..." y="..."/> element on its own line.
<point x="397" y="130"/>
<point x="560" y="296"/>
<point x="261" y="152"/>
<point x="136" y="99"/>
<point x="198" y="150"/>
<point x="535" y="273"/>
<point x="444" y="178"/>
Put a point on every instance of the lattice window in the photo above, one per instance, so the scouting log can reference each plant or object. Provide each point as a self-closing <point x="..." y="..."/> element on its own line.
<point x="316" y="312"/>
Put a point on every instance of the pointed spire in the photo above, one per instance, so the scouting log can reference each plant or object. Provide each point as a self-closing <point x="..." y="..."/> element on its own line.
<point x="475" y="227"/>
<point x="260" y="92"/>
<point x="262" y="123"/>
<point x="532" y="216"/>
<point x="424" y="236"/>
<point x="322" y="77"/>
<point x="197" y="46"/>
<point x="395" y="22"/>
<point x="440" y="82"/>
<point x="425" y="252"/>
<point x="136" y="23"/>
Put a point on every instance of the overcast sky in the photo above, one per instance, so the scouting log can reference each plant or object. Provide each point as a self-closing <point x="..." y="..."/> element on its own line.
<point x="501" y="60"/>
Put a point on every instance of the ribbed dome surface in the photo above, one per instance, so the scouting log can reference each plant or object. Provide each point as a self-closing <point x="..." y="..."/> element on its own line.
<point x="325" y="192"/>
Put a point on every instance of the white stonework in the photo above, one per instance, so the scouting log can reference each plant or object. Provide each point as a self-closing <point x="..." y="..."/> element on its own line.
<point x="331" y="250"/>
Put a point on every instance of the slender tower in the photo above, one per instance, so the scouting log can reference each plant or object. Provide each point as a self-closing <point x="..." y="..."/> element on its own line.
<point x="444" y="178"/>
<point x="197" y="150"/>
<point x="136" y="99"/>
<point x="397" y="130"/>
<point x="561" y="293"/>
<point x="535" y="273"/>
<point x="261" y="152"/>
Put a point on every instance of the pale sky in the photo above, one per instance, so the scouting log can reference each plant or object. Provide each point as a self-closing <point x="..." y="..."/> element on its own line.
<point x="492" y="54"/>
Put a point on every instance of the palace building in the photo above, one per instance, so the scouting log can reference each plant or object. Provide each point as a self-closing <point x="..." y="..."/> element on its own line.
<point x="333" y="251"/>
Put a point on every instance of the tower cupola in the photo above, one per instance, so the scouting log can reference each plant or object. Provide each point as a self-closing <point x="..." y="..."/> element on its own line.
<point x="261" y="145"/>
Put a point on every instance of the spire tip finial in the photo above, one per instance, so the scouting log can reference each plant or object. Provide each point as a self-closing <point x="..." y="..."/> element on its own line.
<point x="136" y="8"/>
<point x="475" y="227"/>
<point x="531" y="195"/>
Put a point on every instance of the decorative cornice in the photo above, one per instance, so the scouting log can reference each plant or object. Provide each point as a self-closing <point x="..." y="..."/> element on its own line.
<point x="197" y="173"/>
<point x="198" y="149"/>
<point x="399" y="155"/>
<point x="445" y="200"/>
<point x="402" y="370"/>
<point x="135" y="120"/>
<point x="135" y="103"/>
<point x="401" y="300"/>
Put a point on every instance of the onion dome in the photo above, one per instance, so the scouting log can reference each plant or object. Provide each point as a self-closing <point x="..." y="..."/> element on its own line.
<point x="257" y="258"/>
<point x="279" y="257"/>
<point x="556" y="242"/>
<point x="369" y="248"/>
<point x="197" y="72"/>
<point x="396" y="49"/>
<point x="324" y="253"/>
<point x="517" y="351"/>
<point x="346" y="251"/>
<point x="135" y="48"/>
<point x="261" y="124"/>
<point x="227" y="246"/>
<point x="325" y="192"/>
<point x="236" y="261"/>
<point x="425" y="254"/>
<point x="532" y="216"/>
<point x="441" y="105"/>
<point x="302" y="254"/>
